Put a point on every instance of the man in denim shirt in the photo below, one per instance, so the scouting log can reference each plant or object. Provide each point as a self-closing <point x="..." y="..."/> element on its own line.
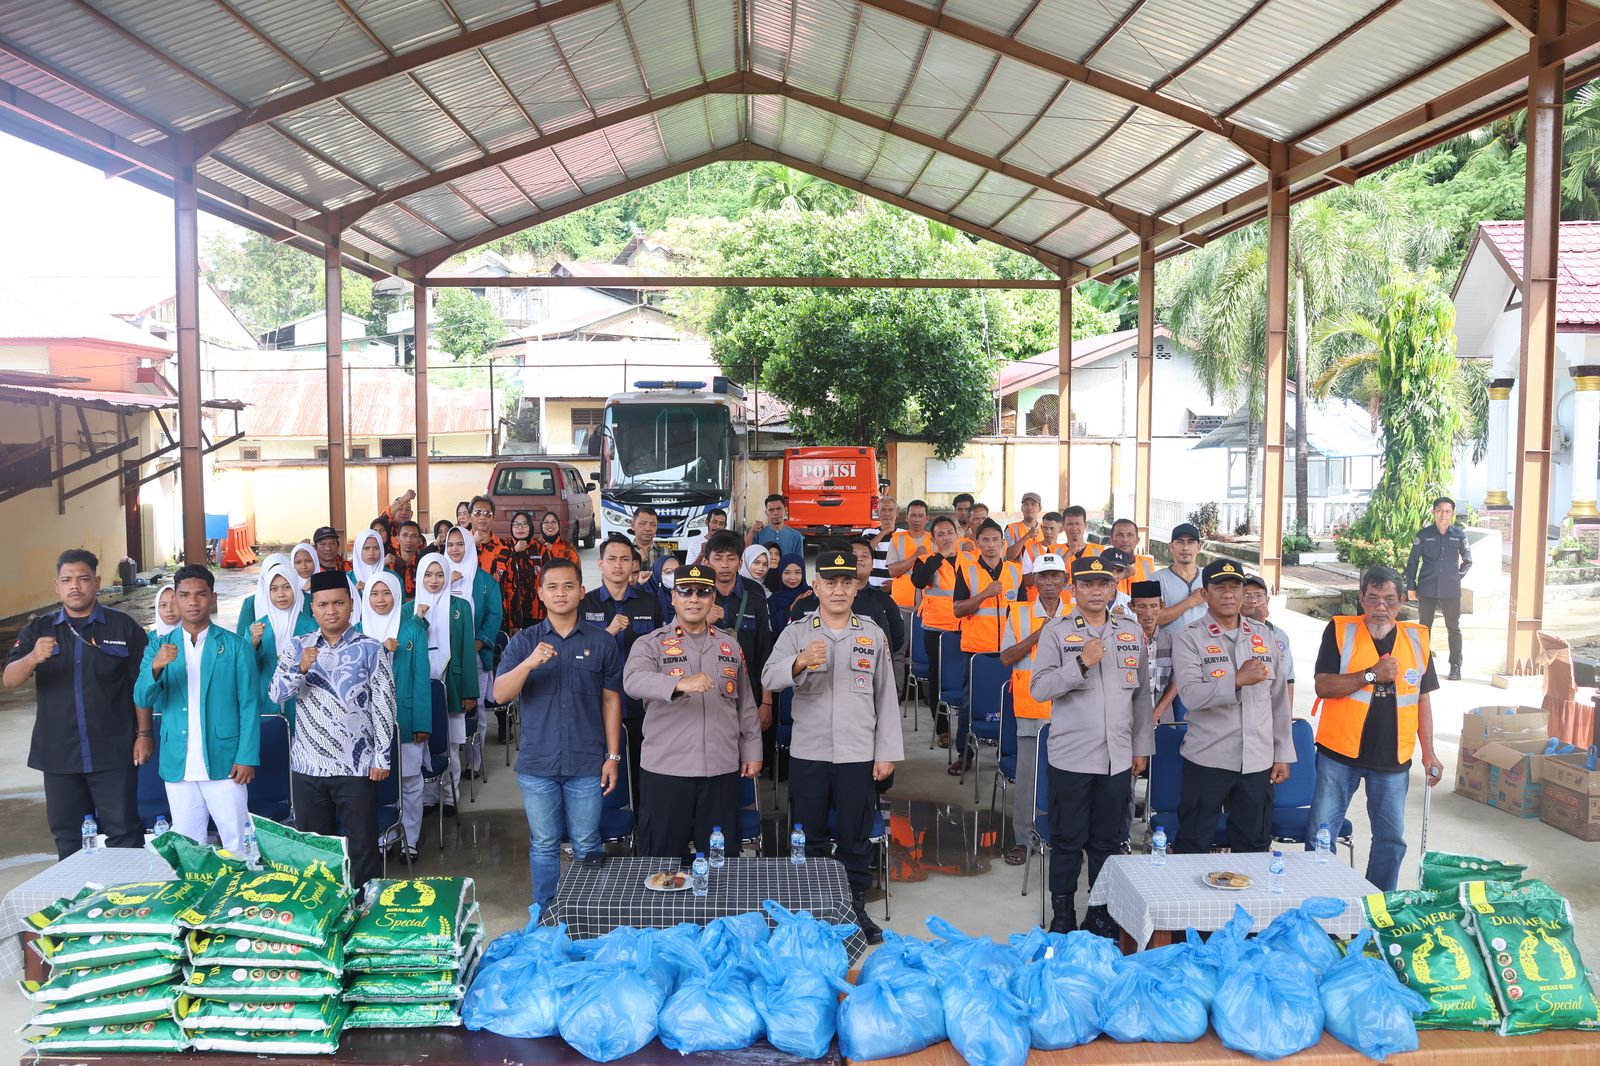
<point x="567" y="675"/>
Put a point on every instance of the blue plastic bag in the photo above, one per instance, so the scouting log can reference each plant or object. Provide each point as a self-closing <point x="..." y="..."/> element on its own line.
<point x="798" y="1007"/>
<point x="1187" y="964"/>
<point x="1365" y="1005"/>
<point x="970" y="954"/>
<point x="1268" y="1005"/>
<point x="1062" y="996"/>
<point x="1151" y="1003"/>
<point x="514" y="992"/>
<point x="1297" y="933"/>
<point x="809" y="941"/>
<point x="712" y="1011"/>
<point x="895" y="953"/>
<point x="608" y="1011"/>
<point x="891" y="1016"/>
<point x="732" y="937"/>
<point x="659" y="954"/>
<point x="1094" y="956"/>
<point x="986" y="1021"/>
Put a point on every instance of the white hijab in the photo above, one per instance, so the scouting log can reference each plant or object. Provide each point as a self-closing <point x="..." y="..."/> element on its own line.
<point x="751" y="554"/>
<point x="438" y="617"/>
<point x="163" y="628"/>
<point x="363" y="571"/>
<point x="316" y="566"/>
<point x="381" y="627"/>
<point x="467" y="568"/>
<point x="282" y="622"/>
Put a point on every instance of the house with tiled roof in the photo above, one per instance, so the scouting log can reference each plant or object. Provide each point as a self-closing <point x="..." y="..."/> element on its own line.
<point x="1488" y="302"/>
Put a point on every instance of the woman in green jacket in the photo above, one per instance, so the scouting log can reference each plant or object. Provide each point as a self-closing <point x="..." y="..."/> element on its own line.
<point x="284" y="619"/>
<point x="469" y="582"/>
<point x="384" y="618"/>
<point x="451" y="658"/>
<point x="247" y="611"/>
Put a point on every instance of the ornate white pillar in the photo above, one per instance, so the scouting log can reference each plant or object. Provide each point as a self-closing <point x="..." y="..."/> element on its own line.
<point x="1585" y="443"/>
<point x="1499" y="423"/>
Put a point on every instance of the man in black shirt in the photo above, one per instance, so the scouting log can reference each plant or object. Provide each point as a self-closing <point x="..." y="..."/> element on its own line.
<point x="1374" y="676"/>
<point x="740" y="608"/>
<point x="870" y="602"/>
<point x="627" y="612"/>
<point x="88" y="739"/>
<point x="1439" y="560"/>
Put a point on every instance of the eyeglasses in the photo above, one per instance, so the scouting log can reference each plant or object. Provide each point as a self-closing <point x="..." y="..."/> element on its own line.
<point x="482" y="514"/>
<point x="695" y="593"/>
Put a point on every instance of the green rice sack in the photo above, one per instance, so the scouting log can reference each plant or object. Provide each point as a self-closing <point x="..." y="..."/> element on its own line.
<point x="195" y="862"/>
<point x="311" y="1016"/>
<point x="403" y="1015"/>
<point x="269" y="1043"/>
<point x="67" y="986"/>
<point x="102" y="949"/>
<point x="432" y="986"/>
<point x="152" y="1036"/>
<point x="1441" y="870"/>
<point x="1525" y="934"/>
<point x="414" y="961"/>
<point x="273" y="905"/>
<point x="421" y="914"/>
<point x="130" y="1005"/>
<point x="1424" y="936"/>
<point x="40" y="919"/>
<point x="260" y="984"/>
<point x="309" y="855"/>
<point x="144" y="908"/>
<point x="228" y="949"/>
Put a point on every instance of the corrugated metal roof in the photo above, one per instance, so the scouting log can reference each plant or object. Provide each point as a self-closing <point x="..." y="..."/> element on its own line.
<point x="430" y="86"/>
<point x="287" y="403"/>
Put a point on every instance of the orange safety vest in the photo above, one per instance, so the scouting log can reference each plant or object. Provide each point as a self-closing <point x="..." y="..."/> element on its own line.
<point x="980" y="632"/>
<point x="1031" y="551"/>
<point x="1023" y="619"/>
<point x="1089" y="550"/>
<point x="967" y="546"/>
<point x="939" y="598"/>
<point x="1342" y="718"/>
<point x="907" y="544"/>
<point x="1144" y="568"/>
<point x="1019" y="530"/>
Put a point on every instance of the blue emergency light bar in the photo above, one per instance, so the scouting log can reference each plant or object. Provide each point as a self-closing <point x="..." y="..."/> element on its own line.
<point x="669" y="384"/>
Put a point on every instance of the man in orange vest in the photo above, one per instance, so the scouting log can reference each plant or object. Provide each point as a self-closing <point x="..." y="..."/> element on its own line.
<point x="935" y="575"/>
<point x="986" y="586"/>
<point x="1075" y="526"/>
<point x="1125" y="535"/>
<point x="1049" y="540"/>
<point x="1374" y="674"/>
<point x="1026" y="530"/>
<point x="1018" y="650"/>
<point x="911" y="545"/>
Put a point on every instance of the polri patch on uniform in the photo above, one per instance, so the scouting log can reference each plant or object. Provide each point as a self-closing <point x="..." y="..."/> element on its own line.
<point x="1125" y="636"/>
<point x="863" y="642"/>
<point x="729" y="688"/>
<point x="1130" y="660"/>
<point x="862" y="682"/>
<point x="1130" y="677"/>
<point x="1073" y="638"/>
<point x="1219" y="673"/>
<point x="1214" y="649"/>
<point x="730" y="671"/>
<point x="676" y="671"/>
<point x="863" y="663"/>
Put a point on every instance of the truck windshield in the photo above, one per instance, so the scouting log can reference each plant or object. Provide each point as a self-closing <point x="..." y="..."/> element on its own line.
<point x="666" y="444"/>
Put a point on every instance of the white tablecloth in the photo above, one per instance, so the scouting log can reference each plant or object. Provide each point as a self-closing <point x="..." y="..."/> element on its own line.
<point x="1143" y="898"/>
<point x="102" y="866"/>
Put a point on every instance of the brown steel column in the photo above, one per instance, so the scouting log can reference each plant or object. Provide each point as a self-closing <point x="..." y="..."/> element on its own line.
<point x="1144" y="402"/>
<point x="419" y="368"/>
<point x="333" y="315"/>
<point x="1540" y="240"/>
<point x="1277" y="367"/>
<point x="1063" y="399"/>
<point x="186" y="263"/>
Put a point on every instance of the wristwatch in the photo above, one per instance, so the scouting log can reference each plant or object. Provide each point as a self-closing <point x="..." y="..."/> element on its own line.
<point x="1369" y="677"/>
<point x="1083" y="666"/>
<point x="613" y="758"/>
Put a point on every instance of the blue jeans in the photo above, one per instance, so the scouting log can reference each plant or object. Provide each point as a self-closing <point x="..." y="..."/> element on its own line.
<point x="557" y="805"/>
<point x="1386" y="810"/>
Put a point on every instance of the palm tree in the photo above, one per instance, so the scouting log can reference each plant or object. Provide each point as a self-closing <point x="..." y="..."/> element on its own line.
<point x="776" y="187"/>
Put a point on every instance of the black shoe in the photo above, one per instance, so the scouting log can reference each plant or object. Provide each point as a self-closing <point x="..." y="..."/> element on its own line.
<point x="869" y="928"/>
<point x="1097" y="920"/>
<point x="429" y="808"/>
<point x="504" y="730"/>
<point x="449" y="810"/>
<point x="1455" y="674"/>
<point x="1063" y="915"/>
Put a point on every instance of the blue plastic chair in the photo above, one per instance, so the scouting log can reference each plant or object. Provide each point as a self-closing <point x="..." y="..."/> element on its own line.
<point x="878" y="837"/>
<point x="1291" y="800"/>
<point x="1005" y="775"/>
<point x="749" y="814"/>
<point x="152" y="798"/>
<point x="437" y="768"/>
<point x="389" y="830"/>
<point x="784" y="735"/>
<point x="1180" y="713"/>
<point x="920" y="669"/>
<point x="1041" y="821"/>
<point x="986" y="682"/>
<point x="952" y="679"/>
<point x="617" y="818"/>
<point x="1166" y="783"/>
<point x="269" y="794"/>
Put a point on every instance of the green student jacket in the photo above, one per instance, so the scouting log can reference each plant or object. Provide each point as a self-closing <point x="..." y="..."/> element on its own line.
<point x="461" y="675"/>
<point x="230" y="695"/>
<point x="412" y="686"/>
<point x="266" y="657"/>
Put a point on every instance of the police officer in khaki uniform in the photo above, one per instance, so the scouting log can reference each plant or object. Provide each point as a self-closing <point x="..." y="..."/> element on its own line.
<point x="846" y="722"/>
<point x="1094" y="670"/>
<point x="702" y="731"/>
<point x="1240" y="738"/>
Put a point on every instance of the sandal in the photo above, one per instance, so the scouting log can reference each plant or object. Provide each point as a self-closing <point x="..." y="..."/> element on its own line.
<point x="955" y="769"/>
<point x="1016" y="855"/>
<point x="944" y="740"/>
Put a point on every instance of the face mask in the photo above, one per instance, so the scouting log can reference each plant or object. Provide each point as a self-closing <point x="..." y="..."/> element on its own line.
<point x="668" y="578"/>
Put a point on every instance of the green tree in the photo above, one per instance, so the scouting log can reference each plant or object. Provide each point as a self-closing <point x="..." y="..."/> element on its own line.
<point x="468" y="326"/>
<point x="775" y="187"/>
<point x="267" y="283"/>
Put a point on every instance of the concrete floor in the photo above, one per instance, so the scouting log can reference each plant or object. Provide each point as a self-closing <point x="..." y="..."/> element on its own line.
<point x="953" y="871"/>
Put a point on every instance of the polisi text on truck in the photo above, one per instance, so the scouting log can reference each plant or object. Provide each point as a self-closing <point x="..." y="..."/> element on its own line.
<point x="824" y="471"/>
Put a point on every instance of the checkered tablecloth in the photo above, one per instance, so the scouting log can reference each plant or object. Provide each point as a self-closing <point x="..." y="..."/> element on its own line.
<point x="596" y="900"/>
<point x="102" y="866"/>
<point x="1143" y="898"/>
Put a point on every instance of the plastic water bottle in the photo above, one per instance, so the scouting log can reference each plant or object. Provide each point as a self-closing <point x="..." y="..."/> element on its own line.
<point x="247" y="845"/>
<point x="719" y="848"/>
<point x="1275" y="874"/>
<point x="1324" y="844"/>
<point x="162" y="825"/>
<point x="91" y="833"/>
<point x="700" y="873"/>
<point x="797" y="845"/>
<point x="1158" y="847"/>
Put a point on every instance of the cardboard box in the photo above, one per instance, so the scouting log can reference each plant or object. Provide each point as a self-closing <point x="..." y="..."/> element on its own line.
<point x="1514" y="781"/>
<point x="1484" y="725"/>
<point x="1575" y="813"/>
<point x="1568" y="772"/>
<point x="1472" y="777"/>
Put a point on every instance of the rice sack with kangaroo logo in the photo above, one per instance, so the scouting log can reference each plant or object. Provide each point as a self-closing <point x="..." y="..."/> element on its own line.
<point x="423" y="914"/>
<point x="143" y="908"/>
<point x="227" y="949"/>
<point x="1424" y="937"/>
<point x="270" y="1043"/>
<point x="403" y="1015"/>
<point x="200" y="863"/>
<point x="1525" y="934"/>
<point x="274" y="905"/>
<point x="312" y="1016"/>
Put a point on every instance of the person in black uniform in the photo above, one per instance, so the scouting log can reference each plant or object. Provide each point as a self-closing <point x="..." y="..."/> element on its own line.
<point x="88" y="738"/>
<point x="870" y="602"/>
<point x="740" y="608"/>
<point x="1439" y="560"/>
<point x="627" y="611"/>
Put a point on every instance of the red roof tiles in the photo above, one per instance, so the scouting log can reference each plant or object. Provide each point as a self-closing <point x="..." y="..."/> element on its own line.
<point x="1578" y="276"/>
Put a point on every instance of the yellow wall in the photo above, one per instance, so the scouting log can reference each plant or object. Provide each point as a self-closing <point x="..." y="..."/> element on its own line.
<point x="1006" y="468"/>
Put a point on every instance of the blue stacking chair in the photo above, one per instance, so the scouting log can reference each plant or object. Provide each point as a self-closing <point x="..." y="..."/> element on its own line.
<point x="1180" y="713"/>
<point x="784" y="735"/>
<point x="749" y="815"/>
<point x="917" y="686"/>
<point x="617" y="817"/>
<point x="1166" y="784"/>
<point x="1041" y="821"/>
<point x="986" y="683"/>
<point x="389" y="831"/>
<point x="1291" y="800"/>
<point x="1005" y="775"/>
<point x="437" y="768"/>
<point x="269" y="794"/>
<point x="152" y="799"/>
<point x="878" y="837"/>
<point x="952" y="679"/>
